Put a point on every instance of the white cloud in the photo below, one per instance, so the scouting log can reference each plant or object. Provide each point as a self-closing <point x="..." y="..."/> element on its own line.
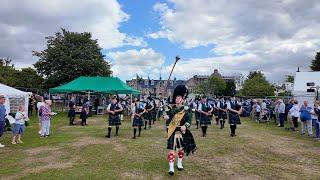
<point x="126" y="64"/>
<point x="25" y="24"/>
<point x="279" y="35"/>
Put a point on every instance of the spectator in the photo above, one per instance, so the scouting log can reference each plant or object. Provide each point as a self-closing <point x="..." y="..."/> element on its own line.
<point x="39" y="104"/>
<point x="83" y="116"/>
<point x="84" y="112"/>
<point x="2" y="116"/>
<point x="19" y="125"/>
<point x="317" y="123"/>
<point x="282" y="111"/>
<point x="263" y="105"/>
<point x="253" y="109"/>
<point x="46" y="114"/>
<point x="258" y="110"/>
<point x="305" y="116"/>
<point x="72" y="111"/>
<point x="96" y="105"/>
<point x="276" y="110"/>
<point x="294" y="113"/>
<point x="30" y="106"/>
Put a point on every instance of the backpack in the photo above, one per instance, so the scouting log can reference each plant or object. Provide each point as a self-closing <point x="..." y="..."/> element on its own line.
<point x="305" y="115"/>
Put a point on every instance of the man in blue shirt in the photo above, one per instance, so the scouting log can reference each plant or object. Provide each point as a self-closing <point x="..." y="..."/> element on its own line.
<point x="2" y="116"/>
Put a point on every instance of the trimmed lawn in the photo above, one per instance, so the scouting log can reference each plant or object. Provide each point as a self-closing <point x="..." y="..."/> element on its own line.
<point x="260" y="151"/>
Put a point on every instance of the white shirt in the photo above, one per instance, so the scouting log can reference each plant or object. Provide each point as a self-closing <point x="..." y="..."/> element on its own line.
<point x="200" y="106"/>
<point x="228" y="105"/>
<point x="295" y="111"/>
<point x="108" y="108"/>
<point x="282" y="108"/>
<point x="39" y="104"/>
<point x="20" y="117"/>
<point x="263" y="105"/>
<point x="258" y="108"/>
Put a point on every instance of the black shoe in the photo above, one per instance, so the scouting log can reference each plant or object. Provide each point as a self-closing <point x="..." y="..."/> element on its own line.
<point x="180" y="169"/>
<point x="133" y="137"/>
<point x="171" y="173"/>
<point x="107" y="136"/>
<point x="232" y="135"/>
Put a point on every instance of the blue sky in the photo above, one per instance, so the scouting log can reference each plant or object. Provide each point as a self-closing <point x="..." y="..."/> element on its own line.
<point x="143" y="37"/>
<point x="144" y="20"/>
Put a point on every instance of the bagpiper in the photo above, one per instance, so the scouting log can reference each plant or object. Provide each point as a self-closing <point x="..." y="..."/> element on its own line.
<point x="196" y="112"/>
<point x="148" y="115"/>
<point x="137" y="121"/>
<point x="114" y="109"/>
<point x="222" y="112"/>
<point x="205" y="111"/>
<point x="234" y="109"/>
<point x="179" y="138"/>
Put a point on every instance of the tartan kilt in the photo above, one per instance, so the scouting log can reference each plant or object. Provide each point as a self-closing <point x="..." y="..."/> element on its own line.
<point x="205" y="120"/>
<point x="148" y="116"/>
<point x="137" y="121"/>
<point x="170" y="141"/>
<point x="187" y="144"/>
<point x="222" y="115"/>
<point x="234" y="119"/>
<point x="72" y="113"/>
<point x="114" y="120"/>
<point x="154" y="114"/>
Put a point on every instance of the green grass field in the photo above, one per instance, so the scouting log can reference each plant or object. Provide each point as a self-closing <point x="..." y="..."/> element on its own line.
<point x="260" y="151"/>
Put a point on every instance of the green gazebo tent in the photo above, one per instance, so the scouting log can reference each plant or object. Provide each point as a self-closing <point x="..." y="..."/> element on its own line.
<point x="110" y="85"/>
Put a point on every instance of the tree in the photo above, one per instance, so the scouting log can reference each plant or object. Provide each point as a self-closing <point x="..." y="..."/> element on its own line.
<point x="26" y="77"/>
<point x="70" y="55"/>
<point x="290" y="79"/>
<point x="257" y="86"/>
<point x="200" y="89"/>
<point x="230" y="88"/>
<point x="6" y="71"/>
<point x="214" y="85"/>
<point x="315" y="64"/>
<point x="254" y="73"/>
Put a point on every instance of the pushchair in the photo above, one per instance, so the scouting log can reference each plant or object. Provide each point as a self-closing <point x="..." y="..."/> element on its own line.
<point x="264" y="116"/>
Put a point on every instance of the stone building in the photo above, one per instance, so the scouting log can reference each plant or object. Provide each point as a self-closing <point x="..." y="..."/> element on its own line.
<point x="157" y="87"/>
<point x="196" y="80"/>
<point x="154" y="87"/>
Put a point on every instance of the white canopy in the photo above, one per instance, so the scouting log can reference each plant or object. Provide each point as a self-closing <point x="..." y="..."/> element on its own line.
<point x="300" y="85"/>
<point x="302" y="78"/>
<point x="10" y="92"/>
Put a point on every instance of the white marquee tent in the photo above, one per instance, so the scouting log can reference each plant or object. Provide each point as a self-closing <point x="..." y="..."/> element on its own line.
<point x="14" y="97"/>
<point x="300" y="85"/>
